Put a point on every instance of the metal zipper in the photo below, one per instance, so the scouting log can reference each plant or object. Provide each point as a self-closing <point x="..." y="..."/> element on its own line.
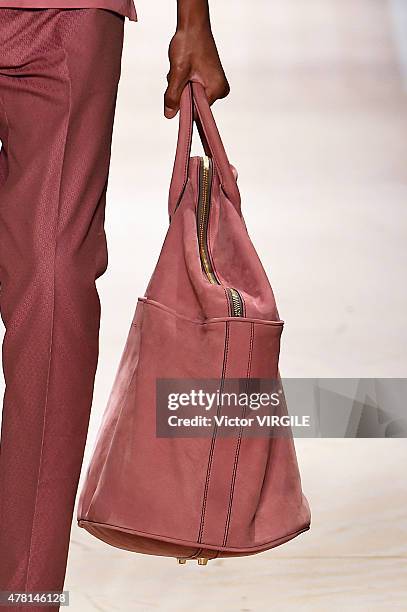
<point x="236" y="302"/>
<point x="205" y="187"/>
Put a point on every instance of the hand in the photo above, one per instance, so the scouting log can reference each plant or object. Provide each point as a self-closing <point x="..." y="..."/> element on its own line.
<point x="193" y="56"/>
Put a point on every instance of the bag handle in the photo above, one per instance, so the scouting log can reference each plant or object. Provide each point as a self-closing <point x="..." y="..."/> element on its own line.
<point x="194" y="107"/>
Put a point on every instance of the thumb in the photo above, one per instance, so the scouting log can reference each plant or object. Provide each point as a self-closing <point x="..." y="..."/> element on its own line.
<point x="172" y="97"/>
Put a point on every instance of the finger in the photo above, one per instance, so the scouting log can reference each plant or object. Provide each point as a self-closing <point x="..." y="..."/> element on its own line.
<point x="217" y="92"/>
<point x="172" y="96"/>
<point x="169" y="112"/>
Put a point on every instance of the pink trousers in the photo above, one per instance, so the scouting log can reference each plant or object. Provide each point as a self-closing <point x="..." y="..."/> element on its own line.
<point x="59" y="71"/>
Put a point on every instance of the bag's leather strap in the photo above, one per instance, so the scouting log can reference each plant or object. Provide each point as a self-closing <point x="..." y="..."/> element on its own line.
<point x="194" y="107"/>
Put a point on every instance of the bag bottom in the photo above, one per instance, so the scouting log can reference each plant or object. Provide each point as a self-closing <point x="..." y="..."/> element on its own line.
<point x="136" y="541"/>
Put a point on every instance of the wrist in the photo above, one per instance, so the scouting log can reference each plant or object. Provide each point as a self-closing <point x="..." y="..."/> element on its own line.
<point x="193" y="15"/>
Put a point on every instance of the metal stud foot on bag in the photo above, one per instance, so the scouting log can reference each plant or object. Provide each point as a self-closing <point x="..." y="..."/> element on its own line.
<point x="202" y="561"/>
<point x="181" y="561"/>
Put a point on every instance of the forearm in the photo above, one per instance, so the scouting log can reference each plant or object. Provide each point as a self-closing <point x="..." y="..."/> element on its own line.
<point x="192" y="14"/>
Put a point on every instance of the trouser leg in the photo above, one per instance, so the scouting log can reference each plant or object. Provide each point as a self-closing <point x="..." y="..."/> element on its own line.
<point x="59" y="72"/>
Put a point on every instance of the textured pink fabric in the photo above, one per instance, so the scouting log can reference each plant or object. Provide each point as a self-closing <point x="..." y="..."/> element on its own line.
<point x="123" y="7"/>
<point x="59" y="72"/>
<point x="208" y="496"/>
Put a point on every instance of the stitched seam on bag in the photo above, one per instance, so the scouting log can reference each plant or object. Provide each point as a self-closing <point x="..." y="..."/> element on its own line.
<point x="174" y="540"/>
<point x="213" y="441"/>
<point x="189" y="141"/>
<point x="186" y="156"/>
<point x="213" y="320"/>
<point x="206" y="136"/>
<point x="239" y="440"/>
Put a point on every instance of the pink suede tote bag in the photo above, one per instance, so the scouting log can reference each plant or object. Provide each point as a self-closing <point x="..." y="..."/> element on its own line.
<point x="208" y="313"/>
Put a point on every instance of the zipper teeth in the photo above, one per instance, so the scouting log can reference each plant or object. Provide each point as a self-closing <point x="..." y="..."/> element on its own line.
<point x="203" y="221"/>
<point x="235" y="299"/>
<point x="237" y="302"/>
